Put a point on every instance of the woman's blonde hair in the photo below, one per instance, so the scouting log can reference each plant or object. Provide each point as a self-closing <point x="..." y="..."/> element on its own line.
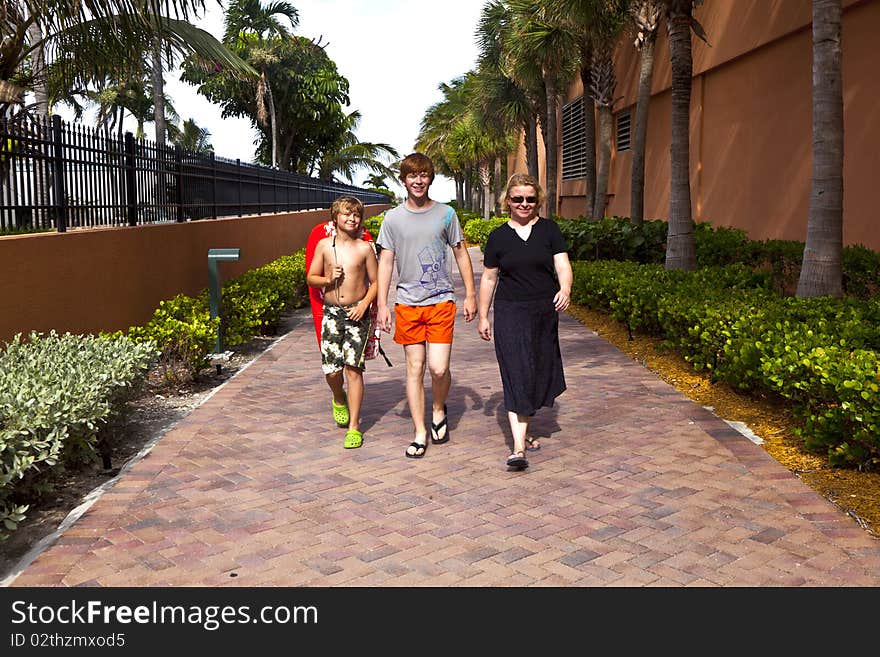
<point x="524" y="180"/>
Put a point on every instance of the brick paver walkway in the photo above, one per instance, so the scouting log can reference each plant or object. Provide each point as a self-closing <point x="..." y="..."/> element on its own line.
<point x="635" y="485"/>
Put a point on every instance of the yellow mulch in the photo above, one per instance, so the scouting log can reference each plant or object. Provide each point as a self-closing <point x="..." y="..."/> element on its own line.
<point x="855" y="492"/>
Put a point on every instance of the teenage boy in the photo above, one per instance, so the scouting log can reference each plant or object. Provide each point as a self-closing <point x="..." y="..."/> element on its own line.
<point x="345" y="267"/>
<point x="417" y="235"/>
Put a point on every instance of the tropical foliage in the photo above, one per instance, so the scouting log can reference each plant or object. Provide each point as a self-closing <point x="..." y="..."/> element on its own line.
<point x="190" y="137"/>
<point x="349" y="155"/>
<point x="36" y="34"/>
<point x="307" y="92"/>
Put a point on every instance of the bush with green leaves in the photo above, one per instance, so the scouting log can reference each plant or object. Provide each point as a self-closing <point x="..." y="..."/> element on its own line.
<point x="374" y="224"/>
<point x="58" y="393"/>
<point x="251" y="304"/>
<point x="614" y="238"/>
<point x="821" y="354"/>
<point x="861" y="271"/>
<point x="184" y="331"/>
<point x="477" y="230"/>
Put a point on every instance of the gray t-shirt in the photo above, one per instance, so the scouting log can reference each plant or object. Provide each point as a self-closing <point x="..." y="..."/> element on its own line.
<point x="420" y="241"/>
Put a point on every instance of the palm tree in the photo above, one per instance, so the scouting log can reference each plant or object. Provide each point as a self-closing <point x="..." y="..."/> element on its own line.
<point x="474" y="144"/>
<point x="537" y="38"/>
<point x="597" y="25"/>
<point x="680" y="248"/>
<point x="376" y="180"/>
<point x="190" y="137"/>
<point x="102" y="33"/>
<point x="646" y="19"/>
<point x="349" y="155"/>
<point x="248" y="23"/>
<point x="821" y="272"/>
<point x="437" y="125"/>
<point x="127" y="88"/>
<point x="588" y="109"/>
<point x="607" y="22"/>
<point x="500" y="99"/>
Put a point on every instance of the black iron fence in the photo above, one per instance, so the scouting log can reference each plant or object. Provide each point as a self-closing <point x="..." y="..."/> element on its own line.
<point x="59" y="175"/>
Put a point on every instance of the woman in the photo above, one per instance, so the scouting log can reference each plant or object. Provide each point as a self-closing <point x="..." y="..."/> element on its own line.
<point x="526" y="259"/>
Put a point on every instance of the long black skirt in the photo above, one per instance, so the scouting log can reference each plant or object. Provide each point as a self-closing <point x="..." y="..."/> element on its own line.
<point x="526" y="337"/>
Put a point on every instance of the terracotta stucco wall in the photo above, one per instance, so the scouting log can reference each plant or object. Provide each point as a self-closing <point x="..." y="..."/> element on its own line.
<point x="86" y="281"/>
<point x="751" y="107"/>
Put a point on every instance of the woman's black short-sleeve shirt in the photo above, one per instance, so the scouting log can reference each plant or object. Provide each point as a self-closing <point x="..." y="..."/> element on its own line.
<point x="525" y="267"/>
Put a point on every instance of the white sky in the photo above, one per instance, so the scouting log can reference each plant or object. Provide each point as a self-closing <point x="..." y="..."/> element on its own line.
<point x="394" y="53"/>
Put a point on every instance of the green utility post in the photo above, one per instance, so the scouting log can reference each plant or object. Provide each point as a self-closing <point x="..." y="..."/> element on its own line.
<point x="215" y="256"/>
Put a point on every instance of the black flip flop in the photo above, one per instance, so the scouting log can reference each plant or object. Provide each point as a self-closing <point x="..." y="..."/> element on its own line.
<point x="417" y="446"/>
<point x="517" y="460"/>
<point x="435" y="429"/>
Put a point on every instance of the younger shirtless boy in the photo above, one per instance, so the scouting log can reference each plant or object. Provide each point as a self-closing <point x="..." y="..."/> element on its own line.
<point x="345" y="266"/>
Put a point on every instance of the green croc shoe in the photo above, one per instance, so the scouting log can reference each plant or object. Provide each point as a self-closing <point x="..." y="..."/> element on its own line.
<point x="340" y="413"/>
<point x="353" y="438"/>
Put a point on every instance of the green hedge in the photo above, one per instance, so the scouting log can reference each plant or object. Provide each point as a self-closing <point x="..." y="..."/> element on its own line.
<point x="615" y="238"/>
<point x="251" y="304"/>
<point x="819" y="354"/>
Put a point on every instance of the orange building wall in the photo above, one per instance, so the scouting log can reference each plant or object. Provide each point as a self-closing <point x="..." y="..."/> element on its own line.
<point x="751" y="107"/>
<point x="87" y="281"/>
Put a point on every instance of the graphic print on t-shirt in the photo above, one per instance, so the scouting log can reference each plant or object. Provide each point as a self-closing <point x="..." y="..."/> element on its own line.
<point x="433" y="261"/>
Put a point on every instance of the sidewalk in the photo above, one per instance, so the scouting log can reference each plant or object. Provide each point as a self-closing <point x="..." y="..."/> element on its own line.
<point x="634" y="485"/>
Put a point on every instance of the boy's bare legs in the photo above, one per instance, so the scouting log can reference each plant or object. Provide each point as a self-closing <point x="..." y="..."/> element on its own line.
<point x="415" y="390"/>
<point x="335" y="381"/>
<point x="441" y="378"/>
<point x="355" y="378"/>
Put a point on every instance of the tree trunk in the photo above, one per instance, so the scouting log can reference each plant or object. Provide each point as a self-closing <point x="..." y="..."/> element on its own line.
<point x="38" y="64"/>
<point x="499" y="188"/>
<point x="43" y="176"/>
<point x="273" y="126"/>
<point x="821" y="272"/>
<point x="602" y="85"/>
<point x="532" y="147"/>
<point x="485" y="169"/>
<point x="159" y="93"/>
<point x="680" y="251"/>
<point x="589" y="112"/>
<point x="606" y="129"/>
<point x="550" y="151"/>
<point x="459" y="190"/>
<point x="640" y="128"/>
<point x="286" y="153"/>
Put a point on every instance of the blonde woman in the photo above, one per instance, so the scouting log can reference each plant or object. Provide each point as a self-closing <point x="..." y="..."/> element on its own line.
<point x="526" y="259"/>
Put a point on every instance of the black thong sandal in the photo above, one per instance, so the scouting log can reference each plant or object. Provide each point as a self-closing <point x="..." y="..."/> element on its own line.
<point x="517" y="460"/>
<point x="435" y="429"/>
<point x="532" y="444"/>
<point x="416" y="446"/>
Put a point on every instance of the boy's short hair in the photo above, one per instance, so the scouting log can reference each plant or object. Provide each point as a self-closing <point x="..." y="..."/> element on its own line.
<point x="348" y="205"/>
<point x="416" y="163"/>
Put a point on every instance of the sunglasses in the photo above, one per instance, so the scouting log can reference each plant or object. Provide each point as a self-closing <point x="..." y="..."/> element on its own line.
<point x="527" y="199"/>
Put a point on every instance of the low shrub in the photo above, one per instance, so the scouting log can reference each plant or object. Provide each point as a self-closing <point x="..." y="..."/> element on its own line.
<point x="819" y="354"/>
<point x="58" y="393"/>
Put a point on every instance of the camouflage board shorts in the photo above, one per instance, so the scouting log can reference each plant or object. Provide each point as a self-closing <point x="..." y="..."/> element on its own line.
<point x="343" y="341"/>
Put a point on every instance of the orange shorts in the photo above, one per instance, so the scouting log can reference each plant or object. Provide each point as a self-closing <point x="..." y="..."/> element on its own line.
<point x="416" y="324"/>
